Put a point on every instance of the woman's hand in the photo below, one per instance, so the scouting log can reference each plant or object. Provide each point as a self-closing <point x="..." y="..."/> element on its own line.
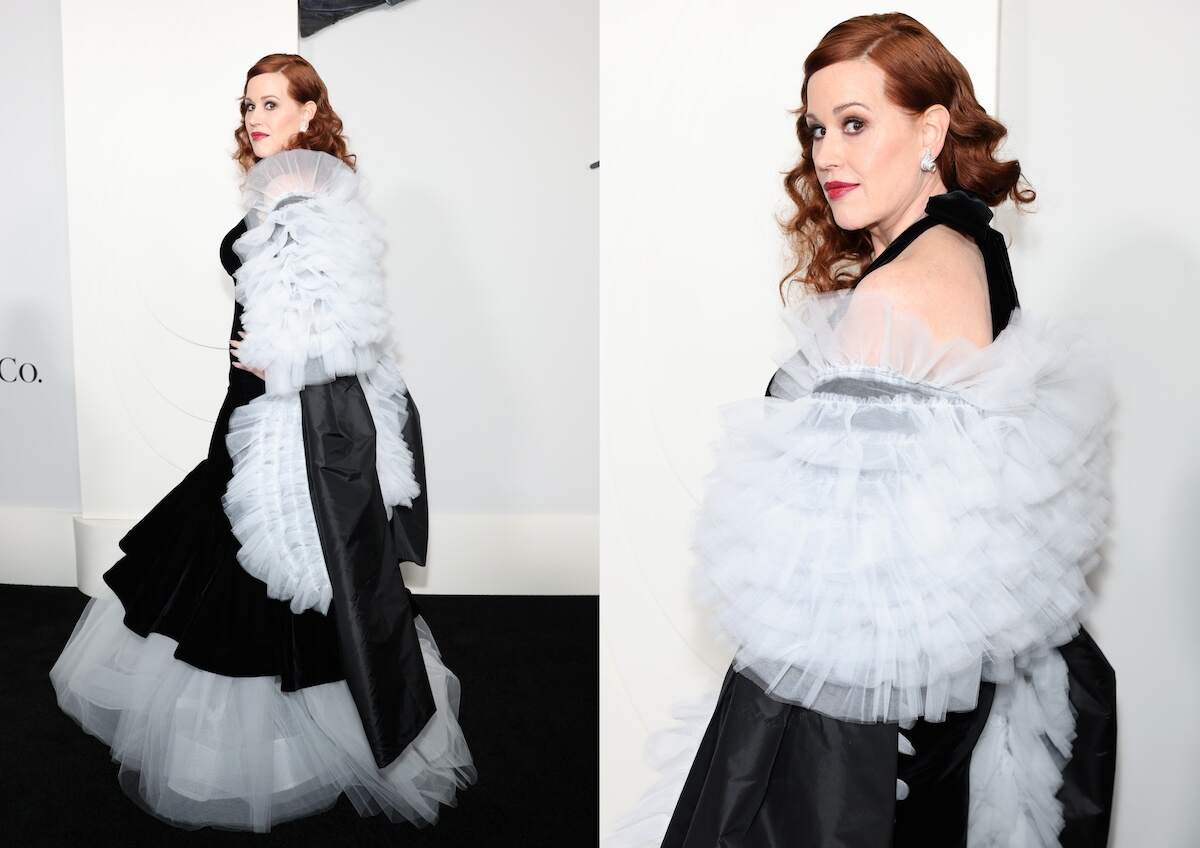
<point x="234" y="344"/>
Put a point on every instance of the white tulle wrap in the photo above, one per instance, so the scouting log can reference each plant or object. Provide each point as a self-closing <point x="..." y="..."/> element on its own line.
<point x="911" y="516"/>
<point x="311" y="279"/>
<point x="314" y="309"/>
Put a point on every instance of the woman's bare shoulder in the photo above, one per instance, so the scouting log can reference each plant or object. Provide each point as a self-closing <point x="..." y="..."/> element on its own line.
<point x="941" y="276"/>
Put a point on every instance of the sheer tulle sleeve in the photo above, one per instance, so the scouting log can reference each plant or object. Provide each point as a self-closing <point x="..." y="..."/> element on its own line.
<point x="311" y="281"/>
<point x="911" y="515"/>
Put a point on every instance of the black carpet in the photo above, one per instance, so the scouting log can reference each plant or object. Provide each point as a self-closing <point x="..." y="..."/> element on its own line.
<point x="529" y="668"/>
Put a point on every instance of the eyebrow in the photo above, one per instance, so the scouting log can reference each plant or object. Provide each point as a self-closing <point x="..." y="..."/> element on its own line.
<point x="839" y="108"/>
<point x="246" y="99"/>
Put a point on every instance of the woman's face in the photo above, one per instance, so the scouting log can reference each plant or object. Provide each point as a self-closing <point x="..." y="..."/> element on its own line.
<point x="862" y="138"/>
<point x="271" y="116"/>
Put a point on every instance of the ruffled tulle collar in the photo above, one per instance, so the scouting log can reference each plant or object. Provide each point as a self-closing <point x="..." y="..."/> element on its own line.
<point x="295" y="173"/>
<point x="875" y="336"/>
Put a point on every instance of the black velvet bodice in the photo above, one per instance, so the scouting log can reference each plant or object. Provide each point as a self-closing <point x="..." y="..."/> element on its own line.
<point x="244" y="385"/>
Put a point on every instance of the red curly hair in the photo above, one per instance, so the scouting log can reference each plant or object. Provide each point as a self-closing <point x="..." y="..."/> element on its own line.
<point x="920" y="73"/>
<point x="324" y="131"/>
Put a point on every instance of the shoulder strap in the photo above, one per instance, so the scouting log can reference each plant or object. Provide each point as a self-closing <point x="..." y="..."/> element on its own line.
<point x="966" y="212"/>
<point x="907" y="237"/>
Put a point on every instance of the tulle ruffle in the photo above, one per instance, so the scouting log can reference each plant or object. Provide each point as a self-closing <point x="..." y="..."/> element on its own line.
<point x="911" y="515"/>
<point x="268" y="501"/>
<point x="670" y="752"/>
<point x="1016" y="767"/>
<point x="311" y="278"/>
<point x="201" y="749"/>
<point x="293" y="174"/>
<point x="387" y="397"/>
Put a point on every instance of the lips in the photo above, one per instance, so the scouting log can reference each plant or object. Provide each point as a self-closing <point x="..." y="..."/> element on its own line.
<point x="836" y="188"/>
<point x="258" y="135"/>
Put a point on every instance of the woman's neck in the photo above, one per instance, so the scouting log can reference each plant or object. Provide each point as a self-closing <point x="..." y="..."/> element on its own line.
<point x="884" y="231"/>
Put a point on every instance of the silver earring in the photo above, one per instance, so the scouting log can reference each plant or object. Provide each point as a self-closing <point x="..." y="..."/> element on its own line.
<point x="927" y="163"/>
<point x="304" y="127"/>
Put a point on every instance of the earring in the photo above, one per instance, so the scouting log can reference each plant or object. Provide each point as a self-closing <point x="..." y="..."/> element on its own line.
<point x="927" y="163"/>
<point x="304" y="126"/>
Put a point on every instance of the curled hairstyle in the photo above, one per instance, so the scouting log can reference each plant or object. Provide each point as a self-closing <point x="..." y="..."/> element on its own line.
<point x="324" y="131"/>
<point x="920" y="72"/>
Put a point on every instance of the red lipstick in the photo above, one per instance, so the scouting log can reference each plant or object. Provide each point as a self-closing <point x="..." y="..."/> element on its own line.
<point x="835" y="189"/>
<point x="258" y="135"/>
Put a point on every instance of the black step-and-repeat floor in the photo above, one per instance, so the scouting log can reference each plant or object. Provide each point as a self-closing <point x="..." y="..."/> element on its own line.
<point x="529" y="668"/>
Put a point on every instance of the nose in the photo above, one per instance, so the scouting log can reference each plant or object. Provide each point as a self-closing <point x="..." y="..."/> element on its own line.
<point x="826" y="153"/>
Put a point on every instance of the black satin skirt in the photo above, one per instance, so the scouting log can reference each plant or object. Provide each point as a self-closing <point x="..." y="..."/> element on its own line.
<point x="180" y="577"/>
<point x="772" y="775"/>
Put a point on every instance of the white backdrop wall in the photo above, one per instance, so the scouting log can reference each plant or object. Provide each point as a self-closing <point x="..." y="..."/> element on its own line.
<point x="475" y="151"/>
<point x="39" y="479"/>
<point x="1097" y="100"/>
<point x="475" y="122"/>
<point x="696" y="135"/>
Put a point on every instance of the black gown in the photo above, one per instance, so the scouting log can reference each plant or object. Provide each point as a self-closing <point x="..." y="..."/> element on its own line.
<point x="180" y="577"/>
<point x="769" y="774"/>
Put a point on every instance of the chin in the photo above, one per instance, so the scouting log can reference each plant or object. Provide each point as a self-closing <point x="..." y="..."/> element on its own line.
<point x="849" y="221"/>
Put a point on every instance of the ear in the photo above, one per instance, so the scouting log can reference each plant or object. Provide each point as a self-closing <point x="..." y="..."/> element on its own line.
<point x="309" y="114"/>
<point x="934" y="124"/>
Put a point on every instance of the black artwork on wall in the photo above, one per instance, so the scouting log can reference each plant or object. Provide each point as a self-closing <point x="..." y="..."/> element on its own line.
<point x="318" y="14"/>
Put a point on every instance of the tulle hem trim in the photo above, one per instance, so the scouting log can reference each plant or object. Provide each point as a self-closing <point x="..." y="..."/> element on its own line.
<point x="200" y="749"/>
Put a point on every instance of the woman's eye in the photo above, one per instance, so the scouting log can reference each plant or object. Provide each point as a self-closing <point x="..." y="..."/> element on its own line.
<point x="818" y="132"/>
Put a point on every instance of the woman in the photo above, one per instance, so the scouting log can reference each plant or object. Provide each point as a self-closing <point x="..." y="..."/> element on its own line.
<point x="896" y="537"/>
<point x="261" y="654"/>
